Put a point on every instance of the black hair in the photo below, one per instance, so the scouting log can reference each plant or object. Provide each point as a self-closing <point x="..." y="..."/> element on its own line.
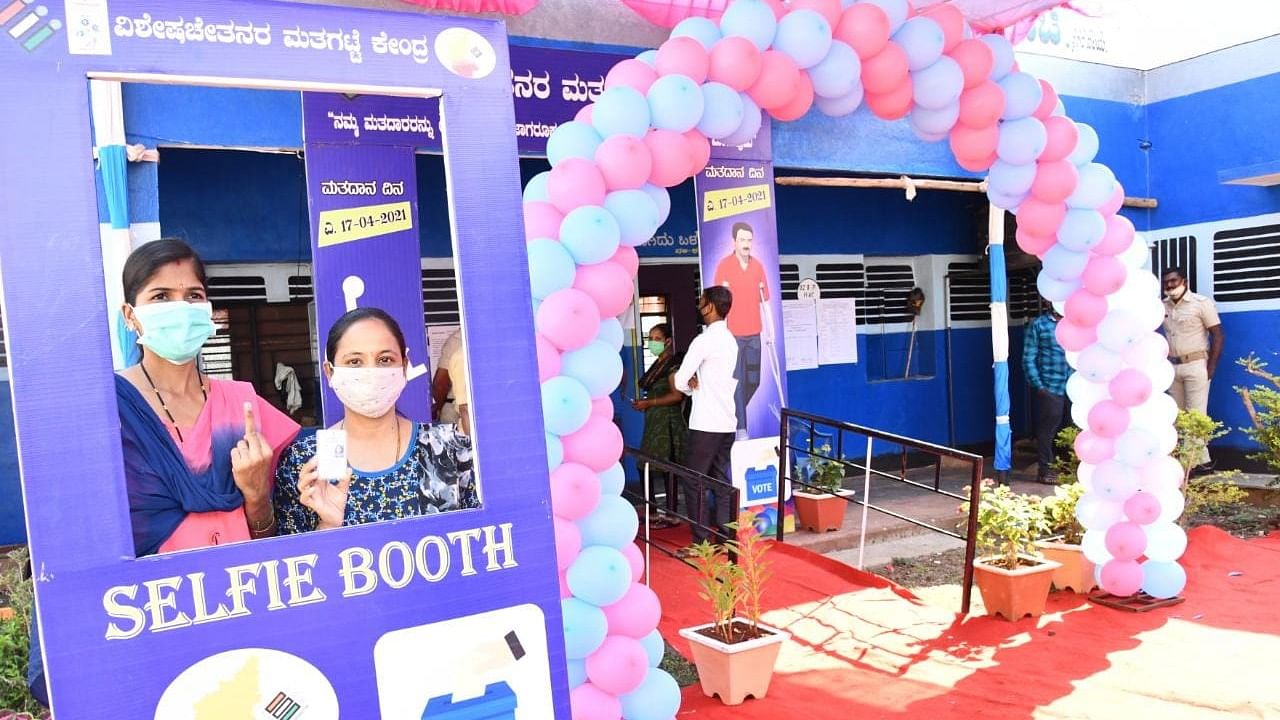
<point x="1174" y="270"/>
<point x="720" y="298"/>
<point x="344" y="323"/>
<point x="663" y="329"/>
<point x="733" y="233"/>
<point x="147" y="260"/>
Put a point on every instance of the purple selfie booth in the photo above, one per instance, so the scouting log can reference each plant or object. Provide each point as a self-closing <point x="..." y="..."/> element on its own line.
<point x="114" y="636"/>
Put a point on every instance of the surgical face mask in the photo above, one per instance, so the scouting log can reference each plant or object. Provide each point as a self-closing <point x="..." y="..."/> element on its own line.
<point x="1178" y="292"/>
<point x="657" y="347"/>
<point x="175" y="330"/>
<point x="369" y="391"/>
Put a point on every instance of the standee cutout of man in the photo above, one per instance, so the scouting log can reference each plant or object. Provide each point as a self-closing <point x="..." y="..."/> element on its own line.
<point x="744" y="276"/>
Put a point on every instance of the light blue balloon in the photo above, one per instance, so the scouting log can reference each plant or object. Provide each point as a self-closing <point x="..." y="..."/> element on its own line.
<point x="1163" y="579"/>
<point x="551" y="267"/>
<point x="585" y="627"/>
<point x="636" y="215"/>
<point x="1063" y="264"/>
<point x="838" y="73"/>
<point x="701" y="29"/>
<point x="1011" y="179"/>
<point x="1086" y="146"/>
<point x="1022" y="95"/>
<point x="536" y="190"/>
<point x="621" y="110"/>
<point x="661" y="198"/>
<point x="657" y="698"/>
<point x="612" y="524"/>
<point x="599" y="575"/>
<point x="923" y="40"/>
<point x="1021" y="141"/>
<point x="897" y="10"/>
<point x="537" y="303"/>
<point x="1096" y="185"/>
<point x="1055" y="290"/>
<point x="938" y="85"/>
<point x="750" y="127"/>
<point x="751" y="19"/>
<point x="555" y="452"/>
<point x="1082" y="229"/>
<point x="804" y="36"/>
<point x="675" y="103"/>
<point x="577" y="672"/>
<point x="648" y="57"/>
<point x="566" y="405"/>
<point x="1005" y="201"/>
<point x="613" y="480"/>
<point x="841" y="106"/>
<point x="937" y="121"/>
<point x="1002" y="53"/>
<point x="597" y="366"/>
<point x="654" y="647"/>
<point x="611" y="333"/>
<point x="721" y="110"/>
<point x="590" y="234"/>
<point x="572" y="139"/>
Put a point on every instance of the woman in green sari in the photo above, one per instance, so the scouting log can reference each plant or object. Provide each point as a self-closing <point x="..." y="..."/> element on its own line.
<point x="665" y="426"/>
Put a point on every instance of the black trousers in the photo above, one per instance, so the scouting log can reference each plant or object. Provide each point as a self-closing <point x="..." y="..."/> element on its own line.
<point x="747" y="375"/>
<point x="708" y="453"/>
<point x="1051" y="411"/>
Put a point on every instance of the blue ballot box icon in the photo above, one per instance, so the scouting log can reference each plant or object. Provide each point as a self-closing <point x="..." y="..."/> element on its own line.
<point x="762" y="483"/>
<point x="497" y="703"/>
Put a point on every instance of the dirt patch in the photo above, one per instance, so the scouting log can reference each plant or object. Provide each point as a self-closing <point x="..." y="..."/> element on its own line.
<point x="682" y="670"/>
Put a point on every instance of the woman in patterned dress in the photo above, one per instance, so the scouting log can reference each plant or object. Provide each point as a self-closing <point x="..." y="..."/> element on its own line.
<point x="398" y="467"/>
<point x="665" y="427"/>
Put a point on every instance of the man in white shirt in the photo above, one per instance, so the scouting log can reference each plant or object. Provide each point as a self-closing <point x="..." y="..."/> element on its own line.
<point x="706" y="375"/>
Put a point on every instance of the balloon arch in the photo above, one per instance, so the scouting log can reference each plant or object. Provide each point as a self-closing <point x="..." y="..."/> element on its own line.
<point x="651" y="129"/>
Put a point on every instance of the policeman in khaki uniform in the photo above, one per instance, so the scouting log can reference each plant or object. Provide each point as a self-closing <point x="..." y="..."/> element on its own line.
<point x="1195" y="337"/>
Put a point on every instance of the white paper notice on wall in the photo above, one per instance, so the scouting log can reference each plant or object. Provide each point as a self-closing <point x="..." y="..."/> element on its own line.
<point x="437" y="335"/>
<point x="837" y="331"/>
<point x="800" y="318"/>
<point x="88" y="27"/>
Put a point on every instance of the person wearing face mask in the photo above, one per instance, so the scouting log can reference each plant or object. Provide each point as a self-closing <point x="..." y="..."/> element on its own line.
<point x="397" y="467"/>
<point x="665" y="429"/>
<point x="1195" y="337"/>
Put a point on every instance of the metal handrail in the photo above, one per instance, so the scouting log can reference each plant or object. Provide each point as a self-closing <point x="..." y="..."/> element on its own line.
<point x="703" y="481"/>
<point x="939" y="451"/>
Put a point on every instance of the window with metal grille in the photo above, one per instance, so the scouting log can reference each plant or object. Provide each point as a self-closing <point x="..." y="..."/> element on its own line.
<point x="215" y="356"/>
<point x="1024" y="296"/>
<point x="237" y="287"/>
<point x="844" y="280"/>
<point x="300" y="287"/>
<point x="789" y="274"/>
<point x="1176" y="252"/>
<point x="885" y="301"/>
<point x="968" y="291"/>
<point x="440" y="296"/>
<point x="1246" y="264"/>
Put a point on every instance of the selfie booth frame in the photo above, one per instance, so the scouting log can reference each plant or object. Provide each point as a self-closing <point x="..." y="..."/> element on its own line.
<point x="118" y="630"/>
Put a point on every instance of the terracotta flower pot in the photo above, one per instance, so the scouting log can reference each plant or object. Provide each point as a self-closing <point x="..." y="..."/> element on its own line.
<point x="1076" y="573"/>
<point x="1014" y="593"/>
<point x="821" y="512"/>
<point x="6" y="613"/>
<point x="735" y="671"/>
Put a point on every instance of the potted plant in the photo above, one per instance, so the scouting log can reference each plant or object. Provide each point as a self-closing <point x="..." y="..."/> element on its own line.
<point x="823" y="509"/>
<point x="1063" y="547"/>
<point x="735" y="653"/>
<point x="1013" y="579"/>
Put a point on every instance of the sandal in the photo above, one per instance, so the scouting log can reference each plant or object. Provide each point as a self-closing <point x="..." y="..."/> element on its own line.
<point x="662" y="522"/>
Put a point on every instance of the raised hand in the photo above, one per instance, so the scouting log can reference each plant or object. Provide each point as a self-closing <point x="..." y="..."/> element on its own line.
<point x="251" y="461"/>
<point x="328" y="502"/>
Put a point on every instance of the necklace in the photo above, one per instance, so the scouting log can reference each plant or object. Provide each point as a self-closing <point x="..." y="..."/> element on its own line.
<point x="395" y="451"/>
<point x="163" y="405"/>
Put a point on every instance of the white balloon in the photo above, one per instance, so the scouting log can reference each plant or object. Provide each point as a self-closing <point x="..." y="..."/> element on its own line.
<point x="1166" y="437"/>
<point x="1171" y="505"/>
<point x="1161" y="374"/>
<point x="1119" y="331"/>
<point x="1080" y="412"/>
<point x="1073" y="358"/>
<point x="1137" y="447"/>
<point x="1094" y="545"/>
<point x="1098" y="364"/>
<point x="1137" y="256"/>
<point x="1084" y="475"/>
<point x="1082" y="390"/>
<point x="1060" y="307"/>
<point x="1163" y="473"/>
<point x="1150" y="348"/>
<point x="1165" y="542"/>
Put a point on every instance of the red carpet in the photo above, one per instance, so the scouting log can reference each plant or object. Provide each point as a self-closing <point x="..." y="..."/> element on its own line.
<point x="864" y="648"/>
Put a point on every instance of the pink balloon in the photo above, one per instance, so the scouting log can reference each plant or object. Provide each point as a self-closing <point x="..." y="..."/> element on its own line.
<point x="699" y="151"/>
<point x="1041" y="218"/>
<point x="568" y="542"/>
<point x="1075" y="337"/>
<point x="1130" y="387"/>
<point x="575" y="491"/>
<point x="1048" y="101"/>
<point x="975" y="59"/>
<point x="624" y="162"/>
<point x="548" y="358"/>
<point x="618" y="666"/>
<point x="1116" y="201"/>
<point x="584" y="115"/>
<point x="683" y="56"/>
<point x="863" y="27"/>
<point x="628" y="259"/>
<point x="1126" y="540"/>
<point x="951" y="20"/>
<point x="778" y="80"/>
<point x="568" y="319"/>
<point x="969" y="143"/>
<point x="542" y="220"/>
<point x="800" y="102"/>
<point x="977" y="165"/>
<point x="636" y="614"/>
<point x="1086" y="309"/>
<point x="735" y="61"/>
<point x="632" y="73"/>
<point x="1108" y="418"/>
<point x="1121" y="577"/>
<point x="598" y="445"/>
<point x="608" y="284"/>
<point x="1034" y="244"/>
<point x="671" y="157"/>
<point x="575" y="182"/>
<point x="1062" y="137"/>
<point x="602" y="408"/>
<point x="588" y="702"/>
<point x="981" y="105"/>
<point x="886" y="70"/>
<point x="565" y="592"/>
<point x="1093" y="448"/>
<point x="1142" y="508"/>
<point x="1118" y="236"/>
<point x="1103" y="275"/>
<point x="892" y="105"/>
<point x="829" y="9"/>
<point x="1055" y="181"/>
<point x="635" y="557"/>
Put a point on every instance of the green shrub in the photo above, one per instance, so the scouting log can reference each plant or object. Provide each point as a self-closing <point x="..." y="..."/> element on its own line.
<point x="1263" y="405"/>
<point x="1008" y="524"/>
<point x="15" y="636"/>
<point x="1060" y="512"/>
